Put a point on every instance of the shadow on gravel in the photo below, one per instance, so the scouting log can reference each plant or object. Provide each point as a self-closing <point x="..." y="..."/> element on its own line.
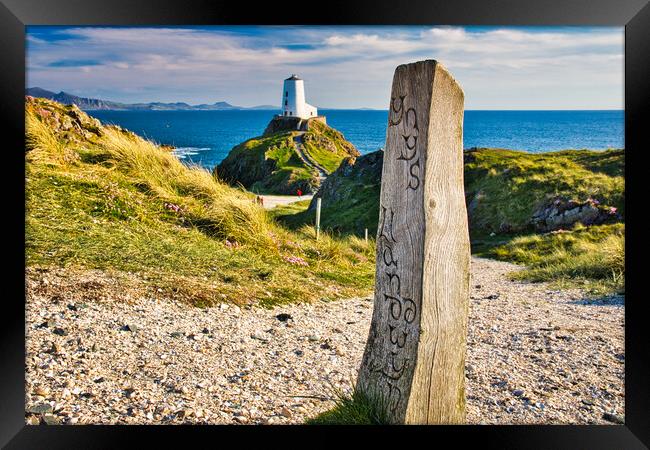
<point x="614" y="300"/>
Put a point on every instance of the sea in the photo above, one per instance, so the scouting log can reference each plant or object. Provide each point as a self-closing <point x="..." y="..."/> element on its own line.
<point x="204" y="138"/>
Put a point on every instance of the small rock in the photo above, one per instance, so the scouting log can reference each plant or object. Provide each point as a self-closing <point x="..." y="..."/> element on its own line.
<point x="176" y="334"/>
<point x="286" y="412"/>
<point x="72" y="307"/>
<point x="42" y="390"/>
<point x="40" y="408"/>
<point x="283" y="317"/>
<point x="614" y="418"/>
<point x="33" y="420"/>
<point x="128" y="327"/>
<point x="129" y="393"/>
<point x="240" y="419"/>
<point x="50" y="419"/>
<point x="517" y="392"/>
<point x="313" y="338"/>
<point x="205" y="331"/>
<point x="59" y="332"/>
<point x="259" y="336"/>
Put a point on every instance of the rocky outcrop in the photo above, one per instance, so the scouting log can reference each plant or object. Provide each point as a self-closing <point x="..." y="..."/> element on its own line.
<point x="562" y="213"/>
<point x="68" y="122"/>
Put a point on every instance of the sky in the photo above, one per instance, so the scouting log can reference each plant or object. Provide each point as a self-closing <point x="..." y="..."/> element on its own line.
<point x="343" y="66"/>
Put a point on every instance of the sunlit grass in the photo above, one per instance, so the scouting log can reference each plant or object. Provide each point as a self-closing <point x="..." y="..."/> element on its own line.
<point x="119" y="202"/>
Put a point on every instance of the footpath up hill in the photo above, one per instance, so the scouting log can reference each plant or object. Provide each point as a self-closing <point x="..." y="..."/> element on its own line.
<point x="290" y="155"/>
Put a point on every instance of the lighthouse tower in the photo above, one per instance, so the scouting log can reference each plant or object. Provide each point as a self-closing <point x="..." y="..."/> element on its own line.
<point x="293" y="99"/>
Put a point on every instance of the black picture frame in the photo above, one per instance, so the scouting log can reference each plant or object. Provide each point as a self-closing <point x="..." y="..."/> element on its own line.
<point x="16" y="14"/>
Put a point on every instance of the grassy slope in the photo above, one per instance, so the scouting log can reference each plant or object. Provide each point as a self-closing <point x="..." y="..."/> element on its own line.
<point x="246" y="162"/>
<point x="326" y="145"/>
<point x="289" y="169"/>
<point x="119" y="203"/>
<point x="514" y="184"/>
<point x="350" y="216"/>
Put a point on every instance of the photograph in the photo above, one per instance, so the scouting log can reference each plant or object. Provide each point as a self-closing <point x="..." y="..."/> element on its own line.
<point x="324" y="225"/>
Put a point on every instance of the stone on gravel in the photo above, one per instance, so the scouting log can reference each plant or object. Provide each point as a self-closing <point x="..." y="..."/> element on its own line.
<point x="40" y="408"/>
<point x="614" y="418"/>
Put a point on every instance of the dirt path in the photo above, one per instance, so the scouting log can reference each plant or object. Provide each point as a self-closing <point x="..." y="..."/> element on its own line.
<point x="271" y="201"/>
<point x="97" y="353"/>
<point x="322" y="173"/>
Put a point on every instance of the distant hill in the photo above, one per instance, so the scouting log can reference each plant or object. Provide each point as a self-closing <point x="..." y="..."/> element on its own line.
<point x="94" y="103"/>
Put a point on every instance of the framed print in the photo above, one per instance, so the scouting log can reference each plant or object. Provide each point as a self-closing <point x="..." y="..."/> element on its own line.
<point x="408" y="218"/>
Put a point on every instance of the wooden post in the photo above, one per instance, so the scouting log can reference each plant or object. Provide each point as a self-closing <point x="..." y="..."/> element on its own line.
<point x="414" y="362"/>
<point x="318" y="202"/>
<point x="366" y="235"/>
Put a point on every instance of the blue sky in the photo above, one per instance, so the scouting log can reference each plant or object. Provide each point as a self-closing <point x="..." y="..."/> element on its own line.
<point x="343" y="66"/>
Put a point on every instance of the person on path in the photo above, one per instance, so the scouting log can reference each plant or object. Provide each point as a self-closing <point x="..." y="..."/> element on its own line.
<point x="299" y="193"/>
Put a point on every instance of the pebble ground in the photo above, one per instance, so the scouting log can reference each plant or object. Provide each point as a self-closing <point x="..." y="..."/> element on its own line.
<point x="100" y="353"/>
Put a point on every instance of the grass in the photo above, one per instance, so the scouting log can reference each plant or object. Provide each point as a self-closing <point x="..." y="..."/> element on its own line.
<point x="513" y="184"/>
<point x="267" y="164"/>
<point x="327" y="146"/>
<point x="350" y="205"/>
<point x="270" y="164"/>
<point x="351" y="409"/>
<point x="592" y="258"/>
<point x="119" y="203"/>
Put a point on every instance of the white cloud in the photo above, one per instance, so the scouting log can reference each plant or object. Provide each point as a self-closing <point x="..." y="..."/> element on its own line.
<point x="343" y="66"/>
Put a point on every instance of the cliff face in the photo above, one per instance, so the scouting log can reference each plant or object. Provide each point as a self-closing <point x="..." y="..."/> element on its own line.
<point x="292" y="154"/>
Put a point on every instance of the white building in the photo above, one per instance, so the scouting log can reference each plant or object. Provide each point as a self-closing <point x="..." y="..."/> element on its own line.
<point x="293" y="99"/>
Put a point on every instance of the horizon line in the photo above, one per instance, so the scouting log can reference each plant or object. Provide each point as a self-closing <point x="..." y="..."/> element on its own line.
<point x="319" y="107"/>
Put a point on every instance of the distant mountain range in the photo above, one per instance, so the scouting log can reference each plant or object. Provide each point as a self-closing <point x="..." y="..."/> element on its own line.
<point x="95" y="103"/>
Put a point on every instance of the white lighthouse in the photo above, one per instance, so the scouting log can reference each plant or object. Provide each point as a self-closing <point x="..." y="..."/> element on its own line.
<point x="293" y="99"/>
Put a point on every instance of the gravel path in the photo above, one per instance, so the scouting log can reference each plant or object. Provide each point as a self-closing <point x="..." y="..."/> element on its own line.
<point x="271" y="201"/>
<point x="99" y="352"/>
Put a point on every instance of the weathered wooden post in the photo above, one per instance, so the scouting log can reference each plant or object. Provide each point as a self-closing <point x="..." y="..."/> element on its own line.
<point x="318" y="204"/>
<point x="414" y="361"/>
<point x="366" y="235"/>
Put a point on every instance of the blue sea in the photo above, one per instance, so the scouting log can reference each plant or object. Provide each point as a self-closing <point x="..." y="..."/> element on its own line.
<point x="206" y="137"/>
